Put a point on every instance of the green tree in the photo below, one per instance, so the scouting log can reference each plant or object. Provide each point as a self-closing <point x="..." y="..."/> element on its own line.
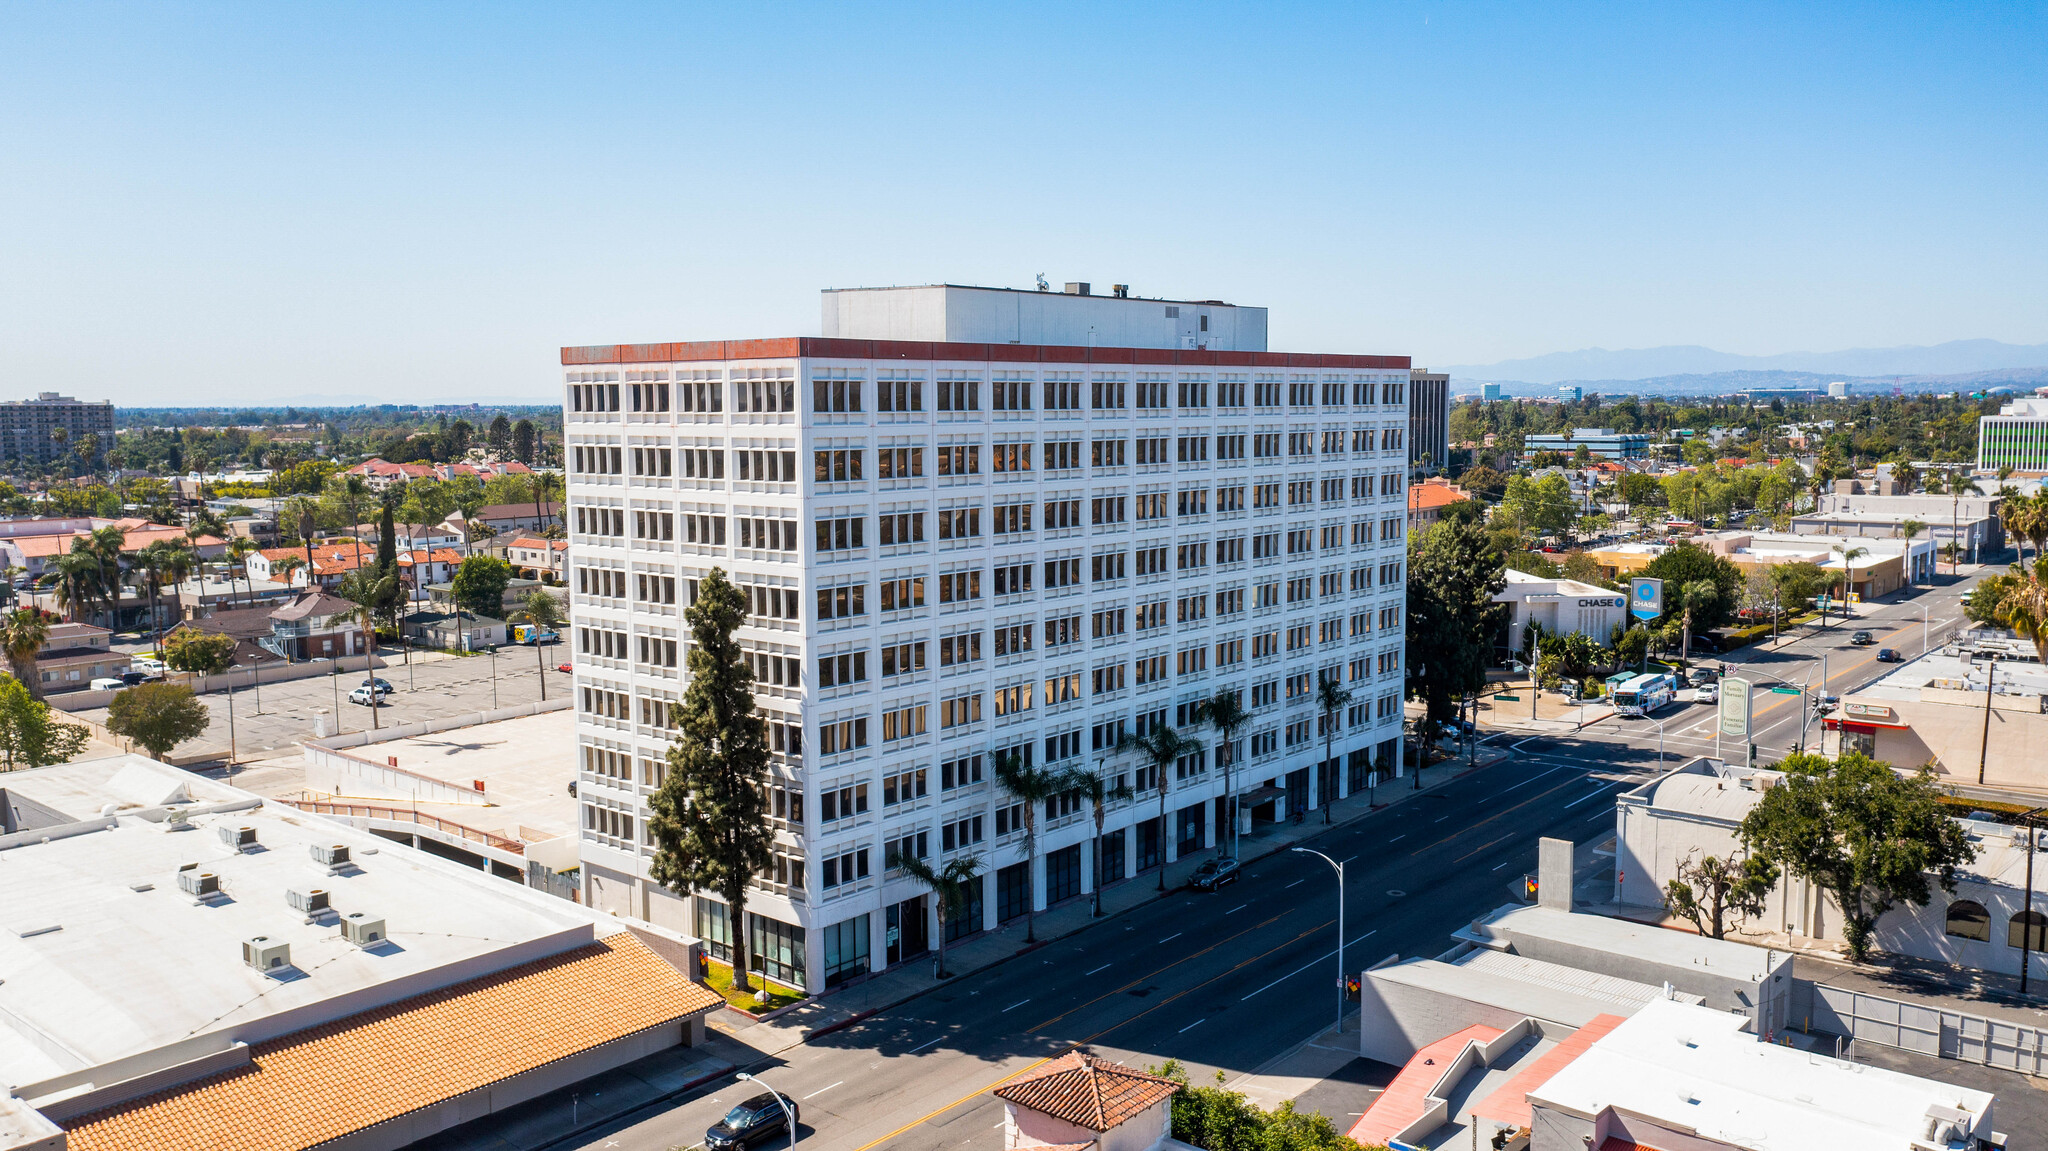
<point x="523" y="441"/>
<point x="1540" y="505"/>
<point x="1696" y="597"/>
<point x="1484" y="483"/>
<point x="28" y="735"/>
<point x="1031" y="786"/>
<point x="1860" y="831"/>
<point x="543" y="611"/>
<point x="1709" y="891"/>
<point x="159" y="716"/>
<point x="1332" y="697"/>
<point x="710" y="823"/>
<point x="949" y="886"/>
<point x="1226" y="714"/>
<point x="23" y="632"/>
<point x="1454" y="572"/>
<point x="203" y="653"/>
<point x="499" y="436"/>
<point x="479" y="585"/>
<point x="1098" y="792"/>
<point x="387" y="555"/>
<point x="1685" y="562"/>
<point x="1161" y="748"/>
<point x="1218" y="1119"/>
<point x="365" y="589"/>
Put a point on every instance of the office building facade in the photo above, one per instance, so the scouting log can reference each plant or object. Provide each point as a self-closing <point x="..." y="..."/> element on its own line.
<point x="957" y="551"/>
<point x="1429" y="418"/>
<point x="29" y="429"/>
<point x="2016" y="438"/>
<point x="1603" y="443"/>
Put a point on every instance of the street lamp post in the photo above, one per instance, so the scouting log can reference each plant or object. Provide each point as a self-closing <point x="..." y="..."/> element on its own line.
<point x="787" y="1114"/>
<point x="1339" y="869"/>
<point x="1660" y="744"/>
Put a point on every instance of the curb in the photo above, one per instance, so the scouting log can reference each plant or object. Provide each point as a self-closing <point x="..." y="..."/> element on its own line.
<point x="598" y="1124"/>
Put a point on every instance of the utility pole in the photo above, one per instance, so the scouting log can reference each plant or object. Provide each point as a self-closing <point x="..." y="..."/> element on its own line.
<point x="1984" y="743"/>
<point x="2030" y="935"/>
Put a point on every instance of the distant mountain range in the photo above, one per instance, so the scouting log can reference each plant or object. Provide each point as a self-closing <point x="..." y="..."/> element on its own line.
<point x="2019" y="380"/>
<point x="1592" y="366"/>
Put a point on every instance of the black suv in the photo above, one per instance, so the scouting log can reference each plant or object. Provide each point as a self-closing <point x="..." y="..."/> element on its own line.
<point x="752" y="1122"/>
<point x="1213" y="874"/>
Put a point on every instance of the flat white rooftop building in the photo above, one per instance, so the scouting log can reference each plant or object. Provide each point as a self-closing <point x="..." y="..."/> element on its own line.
<point x="957" y="545"/>
<point x="178" y="956"/>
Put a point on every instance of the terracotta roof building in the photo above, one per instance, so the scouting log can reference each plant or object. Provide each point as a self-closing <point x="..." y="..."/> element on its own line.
<point x="1079" y="1099"/>
<point x="209" y="969"/>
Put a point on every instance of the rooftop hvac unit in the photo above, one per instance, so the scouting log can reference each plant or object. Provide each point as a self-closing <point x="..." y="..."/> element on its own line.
<point x="361" y="930"/>
<point x="198" y="884"/>
<point x="310" y="902"/>
<point x="238" y="837"/>
<point x="264" y="955"/>
<point x="330" y="854"/>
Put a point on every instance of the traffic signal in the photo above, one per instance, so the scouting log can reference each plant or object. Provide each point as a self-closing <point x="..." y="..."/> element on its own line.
<point x="1351" y="988"/>
<point x="1529" y="885"/>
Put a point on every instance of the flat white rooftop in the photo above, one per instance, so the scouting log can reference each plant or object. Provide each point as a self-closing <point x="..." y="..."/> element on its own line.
<point x="1696" y="1069"/>
<point x="1627" y="938"/>
<point x="962" y="313"/>
<point x="105" y="957"/>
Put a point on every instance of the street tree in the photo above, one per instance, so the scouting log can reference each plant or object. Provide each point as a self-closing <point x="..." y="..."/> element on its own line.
<point x="1098" y="792"/>
<point x="1685" y="562"/>
<point x="159" y="716"/>
<point x="1332" y="697"/>
<point x="1454" y="572"/>
<point x="199" y="652"/>
<point x="1161" y="748"/>
<point x="365" y="589"/>
<point x="29" y="736"/>
<point x="1710" y="892"/>
<point x="479" y="585"/>
<point x="23" y="632"/>
<point x="1226" y="714"/>
<point x="949" y="885"/>
<point x="544" y="612"/>
<point x="710" y="817"/>
<point x="1695" y="597"/>
<point x="1860" y="831"/>
<point x="1030" y="786"/>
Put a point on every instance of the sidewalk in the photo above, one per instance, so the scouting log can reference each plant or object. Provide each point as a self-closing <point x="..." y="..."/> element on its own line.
<point x="835" y="1009"/>
<point x="1553" y="714"/>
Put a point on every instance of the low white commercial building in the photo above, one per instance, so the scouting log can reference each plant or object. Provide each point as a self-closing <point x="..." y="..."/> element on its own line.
<point x="1559" y="607"/>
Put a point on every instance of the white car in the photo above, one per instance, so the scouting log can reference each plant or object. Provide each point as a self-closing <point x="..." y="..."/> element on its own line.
<point x="1707" y="693"/>
<point x="367" y="696"/>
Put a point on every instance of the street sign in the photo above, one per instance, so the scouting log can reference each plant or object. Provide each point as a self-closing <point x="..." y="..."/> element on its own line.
<point x="1509" y="698"/>
<point x="1735" y="700"/>
<point x="1645" y="597"/>
<point x="1787" y="691"/>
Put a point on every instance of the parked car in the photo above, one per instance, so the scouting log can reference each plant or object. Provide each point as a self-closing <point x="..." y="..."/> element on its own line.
<point x="754" y="1121"/>
<point x="1213" y="874"/>
<point x="367" y="697"/>
<point x="131" y="678"/>
<point x="563" y="667"/>
<point x="1862" y="639"/>
<point x="1707" y="643"/>
<point x="382" y="685"/>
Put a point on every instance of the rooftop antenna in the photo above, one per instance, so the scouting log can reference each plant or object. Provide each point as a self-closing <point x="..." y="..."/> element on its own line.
<point x="1042" y="285"/>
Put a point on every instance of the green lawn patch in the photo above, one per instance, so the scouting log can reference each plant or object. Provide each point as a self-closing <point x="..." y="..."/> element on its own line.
<point x="719" y="979"/>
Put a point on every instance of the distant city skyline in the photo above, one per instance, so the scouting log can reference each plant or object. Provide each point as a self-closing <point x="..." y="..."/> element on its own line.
<point x="231" y="205"/>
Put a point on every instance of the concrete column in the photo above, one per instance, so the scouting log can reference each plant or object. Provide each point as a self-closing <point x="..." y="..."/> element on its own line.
<point x="1554" y="874"/>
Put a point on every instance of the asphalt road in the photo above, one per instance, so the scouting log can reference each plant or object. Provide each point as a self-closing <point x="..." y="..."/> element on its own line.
<point x="1223" y="981"/>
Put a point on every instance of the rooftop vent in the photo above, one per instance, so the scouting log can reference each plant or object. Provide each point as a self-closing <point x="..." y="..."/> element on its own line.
<point x="1120" y="291"/>
<point x="330" y="854"/>
<point x="310" y="902"/>
<point x="361" y="930"/>
<point x="1077" y="289"/>
<point x="239" y="838"/>
<point x="198" y="884"/>
<point x="263" y="954"/>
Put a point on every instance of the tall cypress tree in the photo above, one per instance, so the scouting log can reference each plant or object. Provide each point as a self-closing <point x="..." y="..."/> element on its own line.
<point x="710" y="823"/>
<point x="387" y="557"/>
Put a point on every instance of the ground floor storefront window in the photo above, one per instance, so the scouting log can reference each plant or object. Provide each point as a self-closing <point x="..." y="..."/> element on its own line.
<point x="1109" y="858"/>
<point x="969" y="920"/>
<point x="846" y="950"/>
<point x="1062" y="874"/>
<point x="1013" y="891"/>
<point x="777" y="949"/>
<point x="714" y="927"/>
<point x="1151" y="845"/>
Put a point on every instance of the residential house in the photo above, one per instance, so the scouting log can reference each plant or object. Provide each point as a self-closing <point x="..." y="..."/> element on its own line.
<point x="452" y="630"/>
<point x="1427" y="501"/>
<point x="379" y="474"/>
<point x="307" y="629"/>
<point x="533" y="555"/>
<point x="442" y="595"/>
<point x="1083" y="1102"/>
<point x="250" y="627"/>
<point x="506" y="519"/>
<point x="33" y="545"/>
<point x="75" y="654"/>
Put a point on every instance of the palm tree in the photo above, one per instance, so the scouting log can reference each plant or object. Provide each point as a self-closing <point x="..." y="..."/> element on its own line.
<point x="1331" y="697"/>
<point x="1162" y="747"/>
<point x="238" y="557"/>
<point x="365" y="591"/>
<point x="1701" y="594"/>
<point x="1959" y="481"/>
<point x="1226" y="714"/>
<point x="105" y="545"/>
<point x="1097" y="792"/>
<point x="154" y="560"/>
<point x="1849" y="556"/>
<point x="543" y="487"/>
<point x="948" y="886"/>
<point x="1033" y="786"/>
<point x="78" y="573"/>
<point x="181" y="561"/>
<point x="23" y="632"/>
<point x="285" y="566"/>
<point x="544" y="612"/>
<point x="352" y="492"/>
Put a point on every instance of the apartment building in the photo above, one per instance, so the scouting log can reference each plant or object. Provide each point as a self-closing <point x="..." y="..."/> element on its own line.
<point x="28" y="428"/>
<point x="2016" y="438"/>
<point x="956" y="550"/>
<point x="1429" y="418"/>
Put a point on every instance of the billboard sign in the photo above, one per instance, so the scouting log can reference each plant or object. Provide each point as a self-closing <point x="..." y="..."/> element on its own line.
<point x="1646" y="597"/>
<point x="1735" y="699"/>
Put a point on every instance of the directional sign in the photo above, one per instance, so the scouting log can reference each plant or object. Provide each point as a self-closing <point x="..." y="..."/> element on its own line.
<point x="1786" y="691"/>
<point x="1735" y="698"/>
<point x="1509" y="698"/>
<point x="1646" y="597"/>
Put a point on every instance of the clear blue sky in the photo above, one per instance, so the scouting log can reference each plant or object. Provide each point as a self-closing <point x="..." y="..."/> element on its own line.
<point x="242" y="202"/>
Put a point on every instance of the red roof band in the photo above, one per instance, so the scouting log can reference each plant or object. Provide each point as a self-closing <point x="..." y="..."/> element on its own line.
<point x="818" y="347"/>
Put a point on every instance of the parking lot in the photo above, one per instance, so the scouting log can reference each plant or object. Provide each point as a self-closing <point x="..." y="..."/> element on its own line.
<point x="269" y="719"/>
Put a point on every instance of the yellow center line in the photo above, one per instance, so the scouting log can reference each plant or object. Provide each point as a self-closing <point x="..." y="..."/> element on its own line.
<point x="1035" y="1064"/>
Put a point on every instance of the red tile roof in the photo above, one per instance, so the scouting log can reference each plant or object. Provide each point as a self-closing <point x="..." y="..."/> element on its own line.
<point x="1407" y="1097"/>
<point x="1423" y="497"/>
<point x="312" y="1086"/>
<point x="1510" y="1104"/>
<point x="1088" y="1092"/>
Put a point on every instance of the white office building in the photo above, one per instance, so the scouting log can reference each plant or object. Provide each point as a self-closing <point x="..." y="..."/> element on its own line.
<point x="983" y="545"/>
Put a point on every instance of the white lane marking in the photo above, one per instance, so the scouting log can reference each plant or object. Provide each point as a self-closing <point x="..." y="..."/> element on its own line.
<point x="922" y="1046"/>
<point x="1530" y="780"/>
<point x="822" y="1090"/>
<point x="1192" y="1026"/>
<point x="1013" y="1007"/>
<point x="1311" y="963"/>
<point x="1296" y="883"/>
<point x="1398" y="838"/>
<point x="1171" y="938"/>
<point x="1503" y="865"/>
<point x="1347" y="859"/>
<point x="1104" y="967"/>
<point x="1595" y="795"/>
<point x="1238" y="908"/>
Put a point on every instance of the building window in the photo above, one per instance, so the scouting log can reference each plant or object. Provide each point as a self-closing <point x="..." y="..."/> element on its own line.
<point x="776" y="949"/>
<point x="714" y="927"/>
<point x="846" y="950"/>
<point x="971" y="911"/>
<point x="1967" y="919"/>
<point x="1013" y="891"/>
<point x="2030" y="925"/>
<point x="1062" y="874"/>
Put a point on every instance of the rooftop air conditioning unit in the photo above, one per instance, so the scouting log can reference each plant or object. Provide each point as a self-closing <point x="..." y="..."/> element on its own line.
<point x="198" y="884"/>
<point x="239" y="838"/>
<point x="310" y="902"/>
<point x="330" y="854"/>
<point x="263" y="954"/>
<point x="361" y="930"/>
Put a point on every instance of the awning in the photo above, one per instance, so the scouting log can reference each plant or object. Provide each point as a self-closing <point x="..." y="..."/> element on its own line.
<point x="1259" y="795"/>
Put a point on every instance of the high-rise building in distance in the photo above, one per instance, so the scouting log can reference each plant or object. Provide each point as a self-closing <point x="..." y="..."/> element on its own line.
<point x="29" y="428"/>
<point x="1429" y="418"/>
<point x="965" y="549"/>
<point x="2017" y="437"/>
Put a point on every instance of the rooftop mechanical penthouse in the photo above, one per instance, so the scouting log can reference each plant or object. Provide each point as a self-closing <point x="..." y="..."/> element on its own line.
<point x="959" y="549"/>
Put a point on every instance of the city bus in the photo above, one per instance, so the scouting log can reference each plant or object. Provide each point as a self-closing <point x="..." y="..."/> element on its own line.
<point x="1644" y="694"/>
